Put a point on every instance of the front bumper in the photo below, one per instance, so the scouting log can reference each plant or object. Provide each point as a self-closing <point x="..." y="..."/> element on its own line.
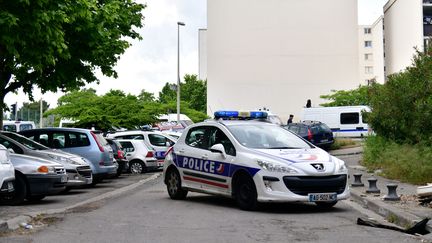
<point x="46" y="184"/>
<point x="7" y="187"/>
<point x="79" y="177"/>
<point x="297" y="188"/>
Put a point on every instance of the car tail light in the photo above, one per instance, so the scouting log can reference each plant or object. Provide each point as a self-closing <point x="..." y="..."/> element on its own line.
<point x="97" y="142"/>
<point x="149" y="154"/>
<point x="309" y="134"/>
<point x="120" y="154"/>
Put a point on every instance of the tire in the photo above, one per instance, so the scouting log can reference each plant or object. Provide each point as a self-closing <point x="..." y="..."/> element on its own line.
<point x="326" y="205"/>
<point x="245" y="193"/>
<point x="137" y="167"/>
<point x="35" y="198"/>
<point x="174" y="185"/>
<point x="20" y="190"/>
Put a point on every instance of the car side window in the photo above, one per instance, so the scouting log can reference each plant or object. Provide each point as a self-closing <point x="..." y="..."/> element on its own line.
<point x="157" y="140"/>
<point x="350" y="118"/>
<point x="196" y="137"/>
<point x="77" y="140"/>
<point x="132" y="137"/>
<point x="10" y="145"/>
<point x="218" y="137"/>
<point x="127" y="146"/>
<point x="294" y="129"/>
<point x="58" y="140"/>
<point x="303" y="130"/>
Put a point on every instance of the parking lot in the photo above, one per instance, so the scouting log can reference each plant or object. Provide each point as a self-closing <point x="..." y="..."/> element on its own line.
<point x="72" y="197"/>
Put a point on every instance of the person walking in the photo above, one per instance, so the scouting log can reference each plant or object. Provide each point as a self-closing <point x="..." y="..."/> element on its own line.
<point x="290" y="120"/>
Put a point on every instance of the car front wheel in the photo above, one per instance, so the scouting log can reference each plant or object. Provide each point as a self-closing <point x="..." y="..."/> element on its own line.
<point x="245" y="193"/>
<point x="174" y="185"/>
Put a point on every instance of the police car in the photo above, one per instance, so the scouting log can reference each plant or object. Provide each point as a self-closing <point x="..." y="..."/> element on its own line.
<point x="252" y="161"/>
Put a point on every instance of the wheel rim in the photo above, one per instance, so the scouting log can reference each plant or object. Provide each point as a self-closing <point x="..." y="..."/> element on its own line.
<point x="173" y="182"/>
<point x="136" y="168"/>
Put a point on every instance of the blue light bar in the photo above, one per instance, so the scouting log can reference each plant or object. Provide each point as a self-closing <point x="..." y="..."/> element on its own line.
<point x="240" y="114"/>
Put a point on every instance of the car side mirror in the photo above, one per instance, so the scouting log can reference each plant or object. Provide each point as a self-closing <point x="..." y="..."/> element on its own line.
<point x="11" y="151"/>
<point x="167" y="144"/>
<point x="218" y="148"/>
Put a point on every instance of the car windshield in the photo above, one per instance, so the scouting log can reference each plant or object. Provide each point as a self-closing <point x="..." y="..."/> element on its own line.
<point x="26" y="141"/>
<point x="266" y="136"/>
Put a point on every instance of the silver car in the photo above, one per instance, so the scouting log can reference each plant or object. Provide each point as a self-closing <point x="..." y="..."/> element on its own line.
<point x="7" y="174"/>
<point x="77" y="168"/>
<point x="36" y="178"/>
<point x="141" y="155"/>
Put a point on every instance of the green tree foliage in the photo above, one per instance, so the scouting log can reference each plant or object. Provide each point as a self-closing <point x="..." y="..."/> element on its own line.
<point x="352" y="97"/>
<point x="192" y="90"/>
<point x="58" y="44"/>
<point x="402" y="107"/>
<point x="145" y="96"/>
<point x="112" y="109"/>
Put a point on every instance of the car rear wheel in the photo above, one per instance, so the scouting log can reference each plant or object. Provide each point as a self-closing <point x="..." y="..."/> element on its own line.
<point x="326" y="204"/>
<point x="174" y="185"/>
<point x="137" y="167"/>
<point x="245" y="193"/>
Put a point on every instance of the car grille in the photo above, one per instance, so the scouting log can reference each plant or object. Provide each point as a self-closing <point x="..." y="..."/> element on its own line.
<point x="303" y="185"/>
<point x="84" y="171"/>
<point x="60" y="171"/>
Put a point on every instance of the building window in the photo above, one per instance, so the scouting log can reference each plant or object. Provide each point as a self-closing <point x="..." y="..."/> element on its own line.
<point x="368" y="43"/>
<point x="368" y="57"/>
<point x="368" y="70"/>
<point x="367" y="30"/>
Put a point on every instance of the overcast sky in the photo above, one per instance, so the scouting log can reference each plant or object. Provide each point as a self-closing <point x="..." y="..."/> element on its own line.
<point x="152" y="62"/>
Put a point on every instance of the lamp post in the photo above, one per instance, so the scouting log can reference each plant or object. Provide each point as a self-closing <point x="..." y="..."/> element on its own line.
<point x="178" y="70"/>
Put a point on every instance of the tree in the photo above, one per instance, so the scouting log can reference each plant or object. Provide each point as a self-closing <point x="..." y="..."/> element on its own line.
<point x="146" y="97"/>
<point x="31" y="111"/>
<point x="402" y="107"/>
<point x="58" y="44"/>
<point x="352" y="97"/>
<point x="168" y="93"/>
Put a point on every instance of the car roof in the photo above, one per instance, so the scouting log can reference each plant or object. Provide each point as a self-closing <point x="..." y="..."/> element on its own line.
<point x="71" y="129"/>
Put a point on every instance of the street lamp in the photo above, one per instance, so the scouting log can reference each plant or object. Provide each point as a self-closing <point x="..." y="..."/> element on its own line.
<point x="178" y="70"/>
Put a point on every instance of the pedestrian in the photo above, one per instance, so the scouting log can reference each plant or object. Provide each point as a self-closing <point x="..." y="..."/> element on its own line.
<point x="290" y="119"/>
<point x="308" y="104"/>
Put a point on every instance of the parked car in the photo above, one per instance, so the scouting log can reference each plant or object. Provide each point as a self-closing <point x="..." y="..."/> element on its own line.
<point x="140" y="156"/>
<point x="119" y="156"/>
<point x="159" y="141"/>
<point x="315" y="132"/>
<point x="7" y="174"/>
<point x="16" y="126"/>
<point x="86" y="143"/>
<point x="36" y="178"/>
<point x="77" y="167"/>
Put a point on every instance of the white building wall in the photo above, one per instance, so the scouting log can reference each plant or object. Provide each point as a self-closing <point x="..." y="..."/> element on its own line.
<point x="202" y="52"/>
<point x="279" y="53"/>
<point x="403" y="30"/>
<point x="378" y="50"/>
<point x="366" y="55"/>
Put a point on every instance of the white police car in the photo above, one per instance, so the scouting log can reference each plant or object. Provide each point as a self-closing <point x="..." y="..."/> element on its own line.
<point x="252" y="161"/>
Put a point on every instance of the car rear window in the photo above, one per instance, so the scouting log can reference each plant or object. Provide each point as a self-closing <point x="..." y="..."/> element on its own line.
<point x="127" y="146"/>
<point x="100" y="139"/>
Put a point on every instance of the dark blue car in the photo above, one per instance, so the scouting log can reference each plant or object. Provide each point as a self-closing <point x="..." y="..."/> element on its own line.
<point x="315" y="132"/>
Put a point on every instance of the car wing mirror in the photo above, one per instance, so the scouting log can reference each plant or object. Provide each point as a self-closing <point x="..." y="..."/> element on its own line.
<point x="168" y="144"/>
<point x="11" y="151"/>
<point x="218" y="148"/>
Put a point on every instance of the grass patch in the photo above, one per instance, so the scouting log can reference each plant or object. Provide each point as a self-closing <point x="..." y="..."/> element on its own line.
<point x="343" y="143"/>
<point x="404" y="162"/>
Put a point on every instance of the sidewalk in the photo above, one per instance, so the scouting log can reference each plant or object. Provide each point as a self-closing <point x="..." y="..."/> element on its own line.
<point x="404" y="213"/>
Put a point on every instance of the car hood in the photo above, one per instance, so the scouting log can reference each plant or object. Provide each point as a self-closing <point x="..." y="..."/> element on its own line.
<point x="294" y="156"/>
<point x="54" y="152"/>
<point x="29" y="164"/>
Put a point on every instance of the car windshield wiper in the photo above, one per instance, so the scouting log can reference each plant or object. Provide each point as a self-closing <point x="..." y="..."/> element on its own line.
<point x="284" y="148"/>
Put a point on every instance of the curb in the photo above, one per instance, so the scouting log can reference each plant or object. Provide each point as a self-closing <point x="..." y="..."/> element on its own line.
<point x="14" y="223"/>
<point x="386" y="210"/>
<point x="347" y="154"/>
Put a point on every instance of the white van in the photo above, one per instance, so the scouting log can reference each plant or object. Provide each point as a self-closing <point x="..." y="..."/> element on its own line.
<point x="344" y="121"/>
<point x="172" y="117"/>
<point x="17" y="126"/>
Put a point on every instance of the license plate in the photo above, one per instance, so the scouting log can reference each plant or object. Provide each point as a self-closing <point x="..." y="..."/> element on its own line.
<point x="324" y="140"/>
<point x="64" y="178"/>
<point x="160" y="163"/>
<point x="10" y="186"/>
<point x="322" y="197"/>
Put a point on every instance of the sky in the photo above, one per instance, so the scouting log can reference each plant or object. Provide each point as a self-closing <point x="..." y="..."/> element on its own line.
<point x="150" y="63"/>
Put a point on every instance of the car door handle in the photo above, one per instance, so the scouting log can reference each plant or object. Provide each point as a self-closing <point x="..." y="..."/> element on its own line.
<point x="205" y="156"/>
<point x="181" y="151"/>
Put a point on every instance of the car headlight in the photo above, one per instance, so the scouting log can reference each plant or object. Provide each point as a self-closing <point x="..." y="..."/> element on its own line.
<point x="342" y="168"/>
<point x="273" y="167"/>
<point x="46" y="169"/>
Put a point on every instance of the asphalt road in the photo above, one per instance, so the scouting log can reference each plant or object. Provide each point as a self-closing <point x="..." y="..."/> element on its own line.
<point x="148" y="215"/>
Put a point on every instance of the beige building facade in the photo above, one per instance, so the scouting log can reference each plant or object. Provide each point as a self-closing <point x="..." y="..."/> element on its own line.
<point x="280" y="53"/>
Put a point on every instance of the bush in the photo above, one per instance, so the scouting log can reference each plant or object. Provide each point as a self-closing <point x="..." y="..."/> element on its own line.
<point x="405" y="162"/>
<point x="343" y="142"/>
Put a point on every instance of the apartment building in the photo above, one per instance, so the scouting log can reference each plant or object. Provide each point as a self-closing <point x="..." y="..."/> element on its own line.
<point x="407" y="26"/>
<point x="280" y="53"/>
